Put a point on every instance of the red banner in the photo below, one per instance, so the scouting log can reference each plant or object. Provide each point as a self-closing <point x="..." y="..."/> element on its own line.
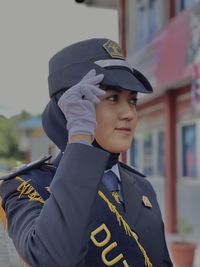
<point x="168" y="59"/>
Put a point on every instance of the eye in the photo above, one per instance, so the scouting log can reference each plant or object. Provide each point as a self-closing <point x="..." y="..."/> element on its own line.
<point x="133" y="101"/>
<point x="113" y="98"/>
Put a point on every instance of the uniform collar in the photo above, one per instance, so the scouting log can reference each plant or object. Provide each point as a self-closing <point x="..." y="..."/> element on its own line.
<point x="115" y="169"/>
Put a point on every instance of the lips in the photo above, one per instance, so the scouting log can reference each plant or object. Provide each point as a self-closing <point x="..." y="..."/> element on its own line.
<point x="128" y="130"/>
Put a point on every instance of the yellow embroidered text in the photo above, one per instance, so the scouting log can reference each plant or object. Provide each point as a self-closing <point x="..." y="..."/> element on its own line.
<point x="108" y="247"/>
<point x="26" y="189"/>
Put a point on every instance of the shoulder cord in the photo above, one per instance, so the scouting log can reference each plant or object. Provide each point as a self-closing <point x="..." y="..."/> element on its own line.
<point x="126" y="227"/>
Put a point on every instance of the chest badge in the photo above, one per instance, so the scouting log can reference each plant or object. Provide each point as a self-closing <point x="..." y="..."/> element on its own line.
<point x="146" y="202"/>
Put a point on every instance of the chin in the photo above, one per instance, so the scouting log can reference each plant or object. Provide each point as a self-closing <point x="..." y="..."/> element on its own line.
<point x="116" y="148"/>
<point x="120" y="150"/>
<point x="114" y="145"/>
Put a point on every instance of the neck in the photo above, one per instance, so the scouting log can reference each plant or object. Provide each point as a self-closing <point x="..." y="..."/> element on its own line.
<point x="113" y="159"/>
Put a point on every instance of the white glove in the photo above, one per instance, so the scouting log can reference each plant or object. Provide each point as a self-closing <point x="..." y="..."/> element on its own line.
<point x="78" y="104"/>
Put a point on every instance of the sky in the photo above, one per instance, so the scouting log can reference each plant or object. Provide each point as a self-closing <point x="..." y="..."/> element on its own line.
<point x="32" y="31"/>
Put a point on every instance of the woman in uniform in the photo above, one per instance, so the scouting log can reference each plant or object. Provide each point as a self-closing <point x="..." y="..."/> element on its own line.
<point x="87" y="208"/>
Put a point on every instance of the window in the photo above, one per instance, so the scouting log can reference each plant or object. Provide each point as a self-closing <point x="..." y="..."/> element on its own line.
<point x="147" y="20"/>
<point x="153" y="25"/>
<point x="189" y="153"/>
<point x="147" y="153"/>
<point x="160" y="154"/>
<point x="185" y="4"/>
<point x="182" y="5"/>
<point x="134" y="154"/>
<point x="141" y="22"/>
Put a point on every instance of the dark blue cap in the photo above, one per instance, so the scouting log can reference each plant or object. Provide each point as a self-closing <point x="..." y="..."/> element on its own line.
<point x="70" y="65"/>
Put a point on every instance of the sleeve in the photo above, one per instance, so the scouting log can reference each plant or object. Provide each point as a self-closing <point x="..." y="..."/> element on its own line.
<point x="56" y="233"/>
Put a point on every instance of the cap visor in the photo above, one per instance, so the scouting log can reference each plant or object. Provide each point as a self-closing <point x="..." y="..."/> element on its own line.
<point x="117" y="77"/>
<point x="124" y="79"/>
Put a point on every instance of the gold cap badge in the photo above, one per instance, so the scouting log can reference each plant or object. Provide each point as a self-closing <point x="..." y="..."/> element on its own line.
<point x="113" y="49"/>
<point x="146" y="202"/>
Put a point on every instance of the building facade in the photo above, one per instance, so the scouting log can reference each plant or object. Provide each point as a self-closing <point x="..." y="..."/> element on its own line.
<point x="164" y="44"/>
<point x="162" y="40"/>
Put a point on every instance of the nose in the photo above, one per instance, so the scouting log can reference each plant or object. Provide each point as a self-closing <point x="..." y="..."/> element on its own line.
<point x="127" y="111"/>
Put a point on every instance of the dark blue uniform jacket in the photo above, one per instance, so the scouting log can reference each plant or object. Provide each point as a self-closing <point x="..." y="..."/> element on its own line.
<point x="64" y="217"/>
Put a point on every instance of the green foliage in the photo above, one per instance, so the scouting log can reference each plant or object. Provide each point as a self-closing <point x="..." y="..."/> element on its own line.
<point x="184" y="229"/>
<point x="24" y="115"/>
<point x="9" y="137"/>
<point x="7" y="164"/>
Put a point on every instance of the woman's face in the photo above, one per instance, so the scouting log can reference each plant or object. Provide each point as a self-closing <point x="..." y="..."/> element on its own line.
<point x="116" y="120"/>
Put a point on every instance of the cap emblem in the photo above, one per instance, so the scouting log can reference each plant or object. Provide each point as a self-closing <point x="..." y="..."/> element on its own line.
<point x="113" y="49"/>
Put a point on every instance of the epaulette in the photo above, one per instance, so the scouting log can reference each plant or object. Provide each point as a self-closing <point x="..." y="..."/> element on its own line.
<point x="25" y="168"/>
<point x="131" y="169"/>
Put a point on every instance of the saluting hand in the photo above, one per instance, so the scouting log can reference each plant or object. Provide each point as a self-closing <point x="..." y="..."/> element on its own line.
<point x="78" y="105"/>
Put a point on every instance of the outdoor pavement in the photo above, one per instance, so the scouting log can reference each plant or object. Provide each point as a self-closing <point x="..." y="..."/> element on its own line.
<point x="8" y="254"/>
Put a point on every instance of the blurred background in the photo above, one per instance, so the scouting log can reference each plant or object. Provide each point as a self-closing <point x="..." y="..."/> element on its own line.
<point x="161" y="38"/>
